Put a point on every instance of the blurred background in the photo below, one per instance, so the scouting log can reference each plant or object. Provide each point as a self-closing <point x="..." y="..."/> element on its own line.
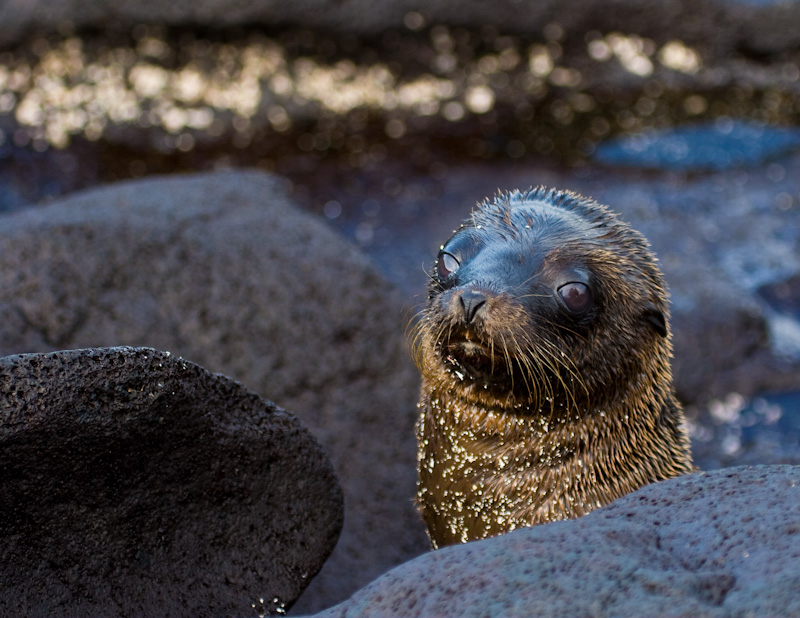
<point x="391" y="120"/>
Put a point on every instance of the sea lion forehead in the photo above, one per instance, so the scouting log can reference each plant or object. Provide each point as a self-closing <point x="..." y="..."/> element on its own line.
<point x="538" y="215"/>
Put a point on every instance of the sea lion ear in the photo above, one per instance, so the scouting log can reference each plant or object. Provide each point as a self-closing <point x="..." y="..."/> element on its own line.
<point x="657" y="320"/>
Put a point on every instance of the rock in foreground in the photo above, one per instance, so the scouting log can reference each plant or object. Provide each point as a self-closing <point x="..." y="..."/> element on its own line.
<point x="221" y="269"/>
<point x="724" y="543"/>
<point x="135" y="483"/>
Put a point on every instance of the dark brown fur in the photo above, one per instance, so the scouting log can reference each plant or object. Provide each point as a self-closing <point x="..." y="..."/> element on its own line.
<point x="531" y="410"/>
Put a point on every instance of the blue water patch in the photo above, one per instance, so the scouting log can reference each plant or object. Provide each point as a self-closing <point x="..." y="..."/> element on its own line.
<point x="776" y="412"/>
<point x="10" y="199"/>
<point x="720" y="145"/>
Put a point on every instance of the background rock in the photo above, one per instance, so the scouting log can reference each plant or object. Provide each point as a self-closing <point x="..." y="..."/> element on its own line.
<point x="221" y="270"/>
<point x="722" y="543"/>
<point x="719" y="239"/>
<point x="135" y="483"/>
<point x="724" y="25"/>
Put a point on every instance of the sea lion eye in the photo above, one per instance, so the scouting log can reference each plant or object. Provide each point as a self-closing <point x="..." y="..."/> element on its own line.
<point x="576" y="296"/>
<point x="446" y="265"/>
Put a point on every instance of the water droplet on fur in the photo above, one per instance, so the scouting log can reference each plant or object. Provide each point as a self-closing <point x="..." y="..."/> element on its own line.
<point x="280" y="606"/>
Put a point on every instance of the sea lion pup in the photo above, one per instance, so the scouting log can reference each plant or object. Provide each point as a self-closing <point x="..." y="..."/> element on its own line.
<point x="544" y="350"/>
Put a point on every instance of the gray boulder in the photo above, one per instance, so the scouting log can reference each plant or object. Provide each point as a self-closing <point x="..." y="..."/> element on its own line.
<point x="721" y="544"/>
<point x="221" y="269"/>
<point x="135" y="483"/>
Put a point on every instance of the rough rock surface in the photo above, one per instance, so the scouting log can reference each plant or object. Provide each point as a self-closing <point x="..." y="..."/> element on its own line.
<point x="721" y="24"/>
<point x="723" y="543"/>
<point x="220" y="269"/>
<point x="135" y="483"/>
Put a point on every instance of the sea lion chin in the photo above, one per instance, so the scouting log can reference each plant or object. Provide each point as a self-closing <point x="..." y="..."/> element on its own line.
<point x="544" y="349"/>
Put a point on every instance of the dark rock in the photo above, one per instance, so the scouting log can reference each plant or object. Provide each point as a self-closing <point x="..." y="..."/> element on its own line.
<point x="711" y="544"/>
<point x="783" y="296"/>
<point x="722" y="338"/>
<point x="135" y="483"/>
<point x="722" y="145"/>
<point x="782" y="305"/>
<point x="219" y="268"/>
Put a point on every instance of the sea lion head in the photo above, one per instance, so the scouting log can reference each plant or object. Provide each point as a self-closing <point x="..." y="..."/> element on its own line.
<point x="544" y="299"/>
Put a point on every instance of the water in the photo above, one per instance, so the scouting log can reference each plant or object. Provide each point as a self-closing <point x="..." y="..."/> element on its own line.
<point x="737" y="431"/>
<point x="722" y="144"/>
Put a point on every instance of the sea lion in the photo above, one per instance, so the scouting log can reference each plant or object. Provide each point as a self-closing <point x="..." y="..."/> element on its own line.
<point x="544" y="349"/>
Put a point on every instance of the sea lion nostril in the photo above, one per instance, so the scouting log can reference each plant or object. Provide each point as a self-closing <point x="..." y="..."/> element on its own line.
<point x="472" y="301"/>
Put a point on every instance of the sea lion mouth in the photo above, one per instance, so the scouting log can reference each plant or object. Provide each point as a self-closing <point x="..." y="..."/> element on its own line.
<point x="468" y="359"/>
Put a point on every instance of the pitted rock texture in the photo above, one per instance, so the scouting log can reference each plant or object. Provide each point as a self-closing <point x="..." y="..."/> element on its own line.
<point x="720" y="544"/>
<point x="222" y="270"/>
<point x="135" y="483"/>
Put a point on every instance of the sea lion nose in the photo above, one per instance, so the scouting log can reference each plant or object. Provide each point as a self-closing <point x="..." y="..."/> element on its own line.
<point x="472" y="302"/>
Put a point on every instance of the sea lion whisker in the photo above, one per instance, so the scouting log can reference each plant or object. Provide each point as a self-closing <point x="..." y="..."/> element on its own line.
<point x="528" y="371"/>
<point x="533" y="370"/>
<point x="564" y="328"/>
<point x="529" y="351"/>
<point x="532" y="295"/>
<point x="509" y="367"/>
<point x="571" y="400"/>
<point x="415" y="336"/>
<point x="536" y="374"/>
<point x="431" y="279"/>
<point x="558" y="357"/>
<point x="530" y="278"/>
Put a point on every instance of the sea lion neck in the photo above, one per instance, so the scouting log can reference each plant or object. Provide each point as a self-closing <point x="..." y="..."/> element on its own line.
<point x="486" y="473"/>
<point x="497" y="418"/>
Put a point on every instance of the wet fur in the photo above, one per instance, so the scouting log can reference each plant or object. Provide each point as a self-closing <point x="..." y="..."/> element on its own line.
<point x="559" y="414"/>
